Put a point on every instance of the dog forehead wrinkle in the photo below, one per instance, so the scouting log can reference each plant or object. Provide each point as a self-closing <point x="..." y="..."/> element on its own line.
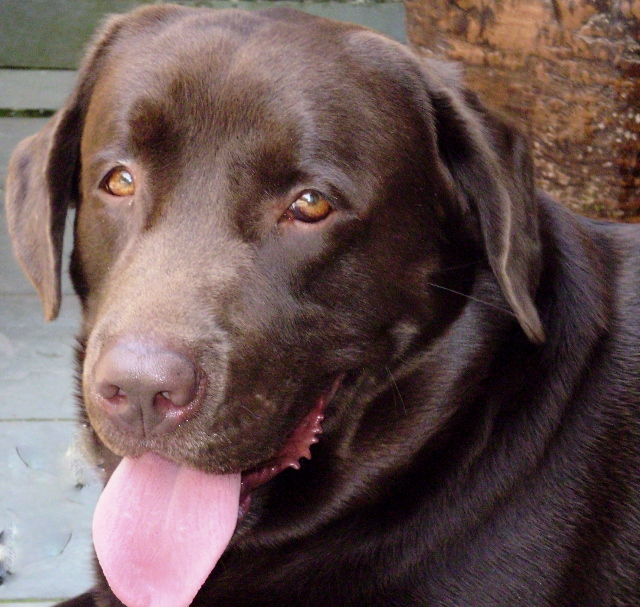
<point x="206" y="55"/>
<point x="266" y="78"/>
<point x="245" y="101"/>
<point x="136" y="78"/>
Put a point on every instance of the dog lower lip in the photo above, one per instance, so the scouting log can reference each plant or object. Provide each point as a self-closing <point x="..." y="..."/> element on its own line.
<point x="297" y="447"/>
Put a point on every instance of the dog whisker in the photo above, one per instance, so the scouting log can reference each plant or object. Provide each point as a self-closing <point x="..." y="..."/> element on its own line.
<point x="396" y="390"/>
<point x="459" y="267"/>
<point x="481" y="301"/>
<point x="252" y="413"/>
<point x="66" y="543"/>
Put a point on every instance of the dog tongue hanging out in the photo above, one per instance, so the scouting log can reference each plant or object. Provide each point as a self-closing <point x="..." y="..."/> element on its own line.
<point x="159" y="529"/>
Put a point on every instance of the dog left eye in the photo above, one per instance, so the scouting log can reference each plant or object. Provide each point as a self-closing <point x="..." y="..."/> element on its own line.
<point x="309" y="207"/>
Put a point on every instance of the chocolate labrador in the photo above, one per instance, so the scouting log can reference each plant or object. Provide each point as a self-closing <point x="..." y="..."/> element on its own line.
<point x="336" y="350"/>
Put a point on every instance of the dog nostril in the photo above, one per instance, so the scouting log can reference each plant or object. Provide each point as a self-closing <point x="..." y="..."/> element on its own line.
<point x="109" y="391"/>
<point x="183" y="389"/>
<point x="179" y="397"/>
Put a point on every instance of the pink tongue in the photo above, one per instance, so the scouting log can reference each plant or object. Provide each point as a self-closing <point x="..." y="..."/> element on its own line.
<point x="159" y="529"/>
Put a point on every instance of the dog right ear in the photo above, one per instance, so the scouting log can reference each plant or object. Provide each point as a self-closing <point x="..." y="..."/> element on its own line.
<point x="42" y="181"/>
<point x="41" y="185"/>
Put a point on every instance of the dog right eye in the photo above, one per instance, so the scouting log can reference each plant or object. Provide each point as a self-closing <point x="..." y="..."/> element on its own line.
<point x="309" y="207"/>
<point x="119" y="182"/>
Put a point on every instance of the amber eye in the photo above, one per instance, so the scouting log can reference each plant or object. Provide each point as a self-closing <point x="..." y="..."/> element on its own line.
<point x="119" y="182"/>
<point x="310" y="207"/>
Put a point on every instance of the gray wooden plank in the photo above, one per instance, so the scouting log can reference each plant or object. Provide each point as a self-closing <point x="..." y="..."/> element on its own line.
<point x="47" y="496"/>
<point x="36" y="360"/>
<point x="35" y="89"/>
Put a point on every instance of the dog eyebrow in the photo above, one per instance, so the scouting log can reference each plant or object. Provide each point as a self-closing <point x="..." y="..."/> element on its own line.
<point x="115" y="152"/>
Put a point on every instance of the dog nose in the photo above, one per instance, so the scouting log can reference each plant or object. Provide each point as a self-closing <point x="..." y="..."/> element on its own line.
<point x="146" y="388"/>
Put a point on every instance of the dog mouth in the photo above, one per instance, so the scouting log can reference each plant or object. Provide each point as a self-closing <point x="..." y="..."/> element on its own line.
<point x="297" y="447"/>
<point x="159" y="527"/>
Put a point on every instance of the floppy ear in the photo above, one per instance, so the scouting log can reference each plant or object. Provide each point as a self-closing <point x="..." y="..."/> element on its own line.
<point x="491" y="170"/>
<point x="42" y="182"/>
<point x="40" y="187"/>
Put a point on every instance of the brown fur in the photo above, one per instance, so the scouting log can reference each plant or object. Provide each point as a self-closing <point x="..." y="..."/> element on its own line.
<point x="484" y="446"/>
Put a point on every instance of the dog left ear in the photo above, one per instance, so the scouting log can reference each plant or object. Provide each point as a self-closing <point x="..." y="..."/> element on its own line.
<point x="492" y="172"/>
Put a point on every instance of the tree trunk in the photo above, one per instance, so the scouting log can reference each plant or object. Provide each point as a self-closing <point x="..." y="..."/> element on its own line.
<point x="568" y="71"/>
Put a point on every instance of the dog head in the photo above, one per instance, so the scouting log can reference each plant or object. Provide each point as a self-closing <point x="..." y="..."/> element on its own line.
<point x="267" y="205"/>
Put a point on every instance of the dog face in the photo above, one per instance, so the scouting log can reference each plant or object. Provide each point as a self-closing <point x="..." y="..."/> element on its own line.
<point x="251" y="227"/>
<point x="262" y="203"/>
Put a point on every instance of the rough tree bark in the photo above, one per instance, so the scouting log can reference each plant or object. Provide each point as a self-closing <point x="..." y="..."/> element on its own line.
<point x="568" y="71"/>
